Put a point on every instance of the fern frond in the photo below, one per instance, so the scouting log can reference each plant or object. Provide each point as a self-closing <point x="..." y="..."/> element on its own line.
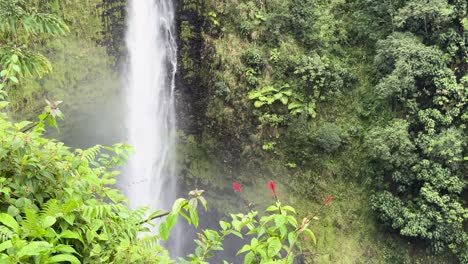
<point x="148" y="242"/>
<point x="31" y="221"/>
<point x="91" y="153"/>
<point x="51" y="208"/>
<point x="139" y="214"/>
<point x="100" y="211"/>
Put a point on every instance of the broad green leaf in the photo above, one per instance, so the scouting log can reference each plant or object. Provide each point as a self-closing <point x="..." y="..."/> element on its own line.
<point x="280" y="220"/>
<point x="294" y="105"/>
<point x="288" y="208"/>
<point x="292" y="221"/>
<point x="249" y="257"/>
<point x="65" y="249"/>
<point x="237" y="233"/>
<point x="284" y="100"/>
<point x="254" y="242"/>
<point x="193" y="203"/>
<point x="259" y="104"/>
<point x="292" y="238"/>
<point x="34" y="248"/>
<point x="48" y="221"/>
<point x="163" y="231"/>
<point x="14" y="79"/>
<point x="272" y="208"/>
<point x="254" y="95"/>
<point x="178" y="204"/>
<point x="63" y="258"/>
<point x="5" y="245"/>
<point x="274" y="246"/>
<point x="194" y="217"/>
<point x="288" y="92"/>
<point x="171" y="220"/>
<point x="243" y="249"/>
<point x="224" y="225"/>
<point x="13" y="211"/>
<point x="9" y="221"/>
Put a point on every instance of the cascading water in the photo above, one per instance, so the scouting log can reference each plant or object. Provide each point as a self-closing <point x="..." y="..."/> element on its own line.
<point x="149" y="179"/>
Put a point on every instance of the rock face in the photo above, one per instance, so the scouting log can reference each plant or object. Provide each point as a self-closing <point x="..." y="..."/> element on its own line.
<point x="113" y="16"/>
<point x="193" y="65"/>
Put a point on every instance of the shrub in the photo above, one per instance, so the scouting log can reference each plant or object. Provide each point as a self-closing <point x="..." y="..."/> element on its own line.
<point x="253" y="58"/>
<point x="328" y="137"/>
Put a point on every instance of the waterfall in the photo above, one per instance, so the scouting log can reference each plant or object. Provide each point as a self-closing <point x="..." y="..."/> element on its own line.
<point x="150" y="117"/>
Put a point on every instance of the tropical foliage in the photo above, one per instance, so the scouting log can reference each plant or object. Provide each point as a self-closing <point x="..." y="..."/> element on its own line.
<point x="61" y="206"/>
<point x="366" y="99"/>
<point x="374" y="89"/>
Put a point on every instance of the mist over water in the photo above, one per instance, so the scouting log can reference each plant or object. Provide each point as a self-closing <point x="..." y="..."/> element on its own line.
<point x="150" y="113"/>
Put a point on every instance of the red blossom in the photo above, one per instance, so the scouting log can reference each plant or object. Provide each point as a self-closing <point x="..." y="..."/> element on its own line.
<point x="328" y="200"/>
<point x="272" y="186"/>
<point x="236" y="186"/>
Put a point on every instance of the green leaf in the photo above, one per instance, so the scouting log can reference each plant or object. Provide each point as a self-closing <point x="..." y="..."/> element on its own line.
<point x="22" y="125"/>
<point x="65" y="249"/>
<point x="280" y="220"/>
<point x="249" y="257"/>
<point x="34" y="248"/>
<point x="193" y="203"/>
<point x="163" y="231"/>
<point x="311" y="234"/>
<point x="13" y="211"/>
<point x="171" y="220"/>
<point x="292" y="221"/>
<point x="224" y="225"/>
<point x="178" y="204"/>
<point x="194" y="217"/>
<point x="48" y="221"/>
<point x="237" y="234"/>
<point x="9" y="221"/>
<point x="16" y="68"/>
<point x="284" y="100"/>
<point x="274" y="246"/>
<point x="288" y="208"/>
<point x="294" y="105"/>
<point x="254" y="95"/>
<point x="254" y="242"/>
<point x="288" y="92"/>
<point x="14" y="79"/>
<point x="243" y="249"/>
<point x="203" y="202"/>
<point x="259" y="104"/>
<point x="5" y="245"/>
<point x="64" y="257"/>
<point x="14" y="58"/>
<point x="272" y="208"/>
<point x="292" y="238"/>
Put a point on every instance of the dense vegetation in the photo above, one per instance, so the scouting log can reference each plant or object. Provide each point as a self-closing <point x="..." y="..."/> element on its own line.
<point x="363" y="99"/>
<point x="60" y="206"/>
<point x="329" y="91"/>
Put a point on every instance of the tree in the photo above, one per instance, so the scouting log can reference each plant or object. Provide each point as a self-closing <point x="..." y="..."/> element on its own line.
<point x="421" y="158"/>
<point x="21" y="24"/>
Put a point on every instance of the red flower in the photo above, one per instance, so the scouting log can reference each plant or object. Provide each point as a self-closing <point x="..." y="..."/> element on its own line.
<point x="236" y="186"/>
<point x="328" y="200"/>
<point x="272" y="186"/>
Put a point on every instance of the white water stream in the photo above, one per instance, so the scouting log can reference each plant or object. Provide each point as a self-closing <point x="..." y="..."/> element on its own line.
<point x="150" y="117"/>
